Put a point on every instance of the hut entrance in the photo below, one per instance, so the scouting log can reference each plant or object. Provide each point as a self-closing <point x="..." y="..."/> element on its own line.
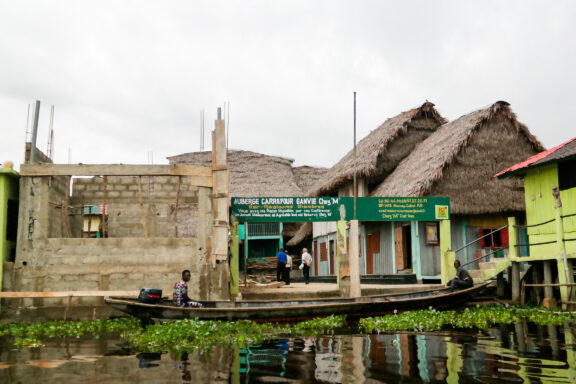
<point x="403" y="247"/>
<point x="372" y="251"/>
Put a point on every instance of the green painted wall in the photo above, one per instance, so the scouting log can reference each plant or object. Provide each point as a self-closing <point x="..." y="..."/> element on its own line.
<point x="538" y="184"/>
<point x="8" y="190"/>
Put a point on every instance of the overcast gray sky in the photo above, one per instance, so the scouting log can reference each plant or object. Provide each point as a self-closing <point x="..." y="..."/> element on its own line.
<point x="130" y="77"/>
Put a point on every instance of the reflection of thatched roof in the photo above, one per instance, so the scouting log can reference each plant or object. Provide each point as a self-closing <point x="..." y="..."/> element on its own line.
<point x="251" y="173"/>
<point x="303" y="232"/>
<point x="381" y="151"/>
<point x="307" y="176"/>
<point x="459" y="159"/>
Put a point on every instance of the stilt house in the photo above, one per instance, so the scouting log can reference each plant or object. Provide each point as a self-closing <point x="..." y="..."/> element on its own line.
<point x="455" y="159"/>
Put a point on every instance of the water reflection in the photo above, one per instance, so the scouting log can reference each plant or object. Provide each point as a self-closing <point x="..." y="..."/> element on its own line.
<point x="515" y="353"/>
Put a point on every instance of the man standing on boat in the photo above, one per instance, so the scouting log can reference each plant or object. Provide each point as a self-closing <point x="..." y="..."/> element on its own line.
<point x="306" y="262"/>
<point x="282" y="258"/>
<point x="180" y="296"/>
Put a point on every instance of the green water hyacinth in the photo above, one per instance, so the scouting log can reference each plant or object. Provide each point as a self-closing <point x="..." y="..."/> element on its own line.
<point x="32" y="334"/>
<point x="480" y="317"/>
<point x="167" y="336"/>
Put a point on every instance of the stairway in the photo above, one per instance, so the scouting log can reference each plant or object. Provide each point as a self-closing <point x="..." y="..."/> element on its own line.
<point x="489" y="270"/>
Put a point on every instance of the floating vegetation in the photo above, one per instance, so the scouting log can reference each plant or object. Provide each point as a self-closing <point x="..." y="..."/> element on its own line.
<point x="32" y="334"/>
<point x="172" y="336"/>
<point x="188" y="335"/>
<point x="320" y="326"/>
<point x="476" y="317"/>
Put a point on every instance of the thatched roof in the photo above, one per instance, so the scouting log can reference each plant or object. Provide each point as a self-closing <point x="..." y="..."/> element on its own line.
<point x="251" y="174"/>
<point x="559" y="153"/>
<point x="307" y="176"/>
<point x="303" y="232"/>
<point x="383" y="149"/>
<point x="459" y="159"/>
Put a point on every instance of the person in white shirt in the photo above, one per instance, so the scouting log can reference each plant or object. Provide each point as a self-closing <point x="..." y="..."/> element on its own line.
<point x="306" y="262"/>
<point x="287" y="269"/>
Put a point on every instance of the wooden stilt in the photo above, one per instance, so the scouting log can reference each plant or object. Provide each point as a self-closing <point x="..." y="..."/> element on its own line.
<point x="500" y="285"/>
<point x="67" y="308"/>
<point x="549" y="301"/>
<point x="515" y="281"/>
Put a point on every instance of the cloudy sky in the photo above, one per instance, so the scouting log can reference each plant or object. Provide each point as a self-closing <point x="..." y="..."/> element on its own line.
<point x="131" y="77"/>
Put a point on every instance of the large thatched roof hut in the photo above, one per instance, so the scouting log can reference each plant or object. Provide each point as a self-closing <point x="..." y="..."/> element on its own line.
<point x="459" y="159"/>
<point x="382" y="150"/>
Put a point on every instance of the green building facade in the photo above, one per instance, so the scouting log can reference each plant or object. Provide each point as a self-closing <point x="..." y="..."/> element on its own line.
<point x="9" y="190"/>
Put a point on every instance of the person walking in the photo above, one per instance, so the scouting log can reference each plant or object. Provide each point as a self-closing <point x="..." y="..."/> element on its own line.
<point x="287" y="269"/>
<point x="282" y="257"/>
<point x="306" y="262"/>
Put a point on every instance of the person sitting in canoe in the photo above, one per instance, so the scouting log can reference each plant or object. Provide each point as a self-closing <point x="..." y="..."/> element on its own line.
<point x="462" y="279"/>
<point x="180" y="296"/>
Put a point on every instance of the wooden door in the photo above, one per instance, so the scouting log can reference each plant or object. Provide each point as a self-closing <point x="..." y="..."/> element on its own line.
<point x="399" y="248"/>
<point x="372" y="247"/>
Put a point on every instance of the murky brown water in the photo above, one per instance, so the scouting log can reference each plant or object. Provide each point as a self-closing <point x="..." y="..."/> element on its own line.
<point x="516" y="353"/>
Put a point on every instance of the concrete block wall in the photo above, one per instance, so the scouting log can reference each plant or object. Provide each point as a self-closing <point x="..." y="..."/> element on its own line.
<point x="58" y="196"/>
<point x="158" y="210"/>
<point x="108" y="264"/>
<point x="48" y="260"/>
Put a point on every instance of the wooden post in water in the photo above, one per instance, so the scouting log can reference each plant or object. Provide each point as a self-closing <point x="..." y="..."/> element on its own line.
<point x="513" y="255"/>
<point x="549" y="301"/>
<point x="565" y="275"/>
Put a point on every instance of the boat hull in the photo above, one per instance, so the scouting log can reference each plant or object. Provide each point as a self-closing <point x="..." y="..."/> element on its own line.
<point x="298" y="310"/>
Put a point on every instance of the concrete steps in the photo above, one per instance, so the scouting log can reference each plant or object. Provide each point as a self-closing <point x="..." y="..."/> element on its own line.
<point x="489" y="270"/>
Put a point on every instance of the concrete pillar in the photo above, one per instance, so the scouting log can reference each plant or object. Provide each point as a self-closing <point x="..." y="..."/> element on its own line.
<point x="220" y="194"/>
<point x="342" y="259"/>
<point x="354" y="254"/>
<point x="549" y="301"/>
<point x="447" y="268"/>
<point x="512" y="239"/>
<point x="515" y="281"/>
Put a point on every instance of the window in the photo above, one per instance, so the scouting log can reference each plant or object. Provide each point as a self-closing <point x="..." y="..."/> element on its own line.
<point x="567" y="174"/>
<point x="432" y="236"/>
<point x="493" y="240"/>
<point x="12" y="220"/>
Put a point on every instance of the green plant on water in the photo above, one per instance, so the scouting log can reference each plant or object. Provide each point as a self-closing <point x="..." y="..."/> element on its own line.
<point x="476" y="317"/>
<point x="32" y="334"/>
<point x="319" y="326"/>
<point x="173" y="336"/>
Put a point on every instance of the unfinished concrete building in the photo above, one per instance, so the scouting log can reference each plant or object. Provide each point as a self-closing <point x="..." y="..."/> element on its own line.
<point x="122" y="227"/>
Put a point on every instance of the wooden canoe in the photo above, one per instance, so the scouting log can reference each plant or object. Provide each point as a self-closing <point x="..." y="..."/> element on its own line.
<point x="298" y="310"/>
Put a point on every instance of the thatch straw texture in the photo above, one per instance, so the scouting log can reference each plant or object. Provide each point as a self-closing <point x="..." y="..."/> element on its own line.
<point x="383" y="149"/>
<point x="307" y="176"/>
<point x="251" y="174"/>
<point x="459" y="159"/>
<point x="303" y="232"/>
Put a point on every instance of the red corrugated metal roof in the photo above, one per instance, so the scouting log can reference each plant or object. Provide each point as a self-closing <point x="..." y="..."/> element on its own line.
<point x="538" y="158"/>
